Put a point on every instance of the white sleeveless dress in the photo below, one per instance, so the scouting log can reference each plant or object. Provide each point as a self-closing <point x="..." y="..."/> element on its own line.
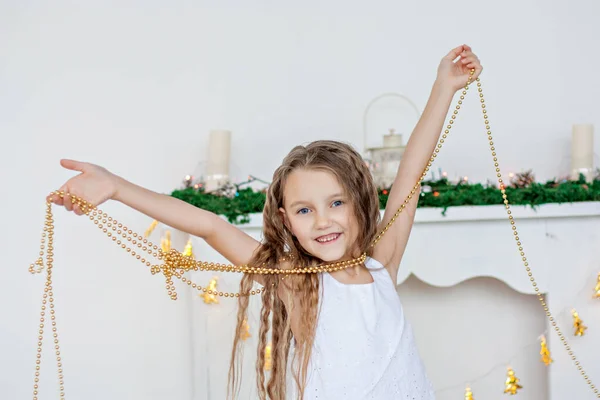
<point x="364" y="347"/>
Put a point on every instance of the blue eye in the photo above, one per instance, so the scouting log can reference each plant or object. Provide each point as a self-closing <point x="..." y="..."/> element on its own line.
<point x="303" y="211"/>
<point x="337" y="203"/>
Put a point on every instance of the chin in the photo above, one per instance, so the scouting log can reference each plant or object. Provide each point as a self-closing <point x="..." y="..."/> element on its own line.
<point x="329" y="256"/>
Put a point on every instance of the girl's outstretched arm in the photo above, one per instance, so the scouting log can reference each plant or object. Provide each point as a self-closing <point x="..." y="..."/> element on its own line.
<point x="96" y="185"/>
<point x="451" y="77"/>
<point x="227" y="239"/>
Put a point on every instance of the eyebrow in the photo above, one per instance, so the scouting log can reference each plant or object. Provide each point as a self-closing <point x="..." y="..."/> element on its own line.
<point x="297" y="203"/>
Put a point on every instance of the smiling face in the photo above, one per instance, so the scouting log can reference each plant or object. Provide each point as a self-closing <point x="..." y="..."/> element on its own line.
<point x="320" y="214"/>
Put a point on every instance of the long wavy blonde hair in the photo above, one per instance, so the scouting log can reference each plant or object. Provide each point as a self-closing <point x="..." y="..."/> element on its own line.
<point x="278" y="243"/>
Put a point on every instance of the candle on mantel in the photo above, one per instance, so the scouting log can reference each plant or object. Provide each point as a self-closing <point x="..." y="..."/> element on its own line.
<point x="394" y="148"/>
<point x="217" y="167"/>
<point x="392" y="139"/>
<point x="582" y="151"/>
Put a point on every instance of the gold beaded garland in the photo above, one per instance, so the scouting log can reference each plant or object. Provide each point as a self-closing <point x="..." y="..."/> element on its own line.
<point x="176" y="263"/>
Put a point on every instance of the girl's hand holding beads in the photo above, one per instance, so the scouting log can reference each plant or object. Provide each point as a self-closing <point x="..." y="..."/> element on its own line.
<point x="94" y="184"/>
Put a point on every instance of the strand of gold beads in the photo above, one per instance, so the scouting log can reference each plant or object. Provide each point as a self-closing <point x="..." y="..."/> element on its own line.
<point x="176" y="264"/>
<point x="47" y="302"/>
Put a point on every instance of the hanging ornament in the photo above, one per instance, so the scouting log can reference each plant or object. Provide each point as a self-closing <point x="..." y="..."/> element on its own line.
<point x="211" y="298"/>
<point x="245" y="333"/>
<point x="597" y="288"/>
<point x="165" y="242"/>
<point x="188" y="251"/>
<point x="150" y="228"/>
<point x="512" y="383"/>
<point x="544" y="352"/>
<point x="268" y="360"/>
<point x="578" y="324"/>
<point x="469" y="394"/>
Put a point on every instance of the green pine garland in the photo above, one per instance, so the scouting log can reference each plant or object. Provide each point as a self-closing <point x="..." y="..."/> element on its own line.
<point x="440" y="194"/>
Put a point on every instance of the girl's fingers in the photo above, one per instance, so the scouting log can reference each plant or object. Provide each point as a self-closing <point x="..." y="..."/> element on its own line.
<point x="454" y="53"/>
<point x="475" y="66"/>
<point x="59" y="200"/>
<point x="471" y="62"/>
<point x="72" y="165"/>
<point x="67" y="202"/>
<point x="77" y="209"/>
<point x="478" y="69"/>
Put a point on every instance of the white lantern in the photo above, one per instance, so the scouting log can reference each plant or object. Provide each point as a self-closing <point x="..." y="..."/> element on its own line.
<point x="383" y="158"/>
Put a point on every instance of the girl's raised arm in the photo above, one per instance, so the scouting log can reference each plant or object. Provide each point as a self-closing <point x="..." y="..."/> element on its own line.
<point x="451" y="77"/>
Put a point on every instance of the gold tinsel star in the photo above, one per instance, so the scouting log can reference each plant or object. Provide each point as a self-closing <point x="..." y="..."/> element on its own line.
<point x="544" y="352"/>
<point x="578" y="324"/>
<point x="512" y="383"/>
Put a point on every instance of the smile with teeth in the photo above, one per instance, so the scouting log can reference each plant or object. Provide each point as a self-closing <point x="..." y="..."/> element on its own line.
<point x="328" y="238"/>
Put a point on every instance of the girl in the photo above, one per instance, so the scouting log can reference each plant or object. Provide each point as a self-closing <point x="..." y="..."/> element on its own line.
<point x="335" y="335"/>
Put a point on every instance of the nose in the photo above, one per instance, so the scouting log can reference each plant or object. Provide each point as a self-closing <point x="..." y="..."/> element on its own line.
<point x="323" y="220"/>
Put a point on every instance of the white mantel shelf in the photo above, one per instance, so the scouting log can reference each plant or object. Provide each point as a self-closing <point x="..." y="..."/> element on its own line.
<point x="486" y="213"/>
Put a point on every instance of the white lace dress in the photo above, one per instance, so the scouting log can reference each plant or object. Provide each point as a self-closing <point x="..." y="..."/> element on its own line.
<point x="364" y="347"/>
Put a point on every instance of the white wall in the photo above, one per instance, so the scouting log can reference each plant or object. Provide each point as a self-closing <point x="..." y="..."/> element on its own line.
<point x="136" y="86"/>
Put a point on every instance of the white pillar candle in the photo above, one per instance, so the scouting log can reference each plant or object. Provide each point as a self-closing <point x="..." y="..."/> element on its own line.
<point x="391" y="154"/>
<point x="217" y="167"/>
<point x="582" y="151"/>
